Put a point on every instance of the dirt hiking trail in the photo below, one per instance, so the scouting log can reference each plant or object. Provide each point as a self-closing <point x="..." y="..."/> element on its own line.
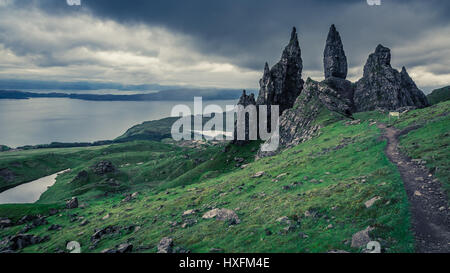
<point x="428" y="202"/>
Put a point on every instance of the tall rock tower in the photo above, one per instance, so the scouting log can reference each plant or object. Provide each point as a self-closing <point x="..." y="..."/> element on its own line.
<point x="282" y="84"/>
<point x="334" y="60"/>
<point x="336" y="67"/>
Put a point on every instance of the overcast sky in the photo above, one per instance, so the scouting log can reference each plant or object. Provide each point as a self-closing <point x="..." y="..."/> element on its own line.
<point x="219" y="43"/>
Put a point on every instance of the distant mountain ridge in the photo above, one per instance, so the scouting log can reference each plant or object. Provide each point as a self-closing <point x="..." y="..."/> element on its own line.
<point x="12" y="84"/>
<point x="164" y="95"/>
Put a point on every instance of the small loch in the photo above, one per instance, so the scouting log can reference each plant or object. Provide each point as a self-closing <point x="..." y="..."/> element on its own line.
<point x="29" y="192"/>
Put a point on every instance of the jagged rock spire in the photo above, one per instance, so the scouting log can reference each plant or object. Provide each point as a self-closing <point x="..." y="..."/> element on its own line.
<point x="245" y="100"/>
<point x="282" y="84"/>
<point x="294" y="34"/>
<point x="335" y="61"/>
<point x="416" y="97"/>
<point x="384" y="87"/>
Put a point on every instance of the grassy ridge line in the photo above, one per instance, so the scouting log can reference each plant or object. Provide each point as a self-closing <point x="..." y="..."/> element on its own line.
<point x="439" y="95"/>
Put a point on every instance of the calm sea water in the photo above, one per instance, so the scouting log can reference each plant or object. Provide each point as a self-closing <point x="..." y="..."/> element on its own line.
<point x="46" y="120"/>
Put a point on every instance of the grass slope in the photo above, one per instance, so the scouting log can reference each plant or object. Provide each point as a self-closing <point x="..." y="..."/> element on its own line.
<point x="330" y="176"/>
<point x="439" y="95"/>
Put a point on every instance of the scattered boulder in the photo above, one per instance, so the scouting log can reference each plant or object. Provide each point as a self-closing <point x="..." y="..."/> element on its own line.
<point x="21" y="241"/>
<point x="284" y="220"/>
<point x="189" y="212"/>
<point x="165" y="245"/>
<point x="125" y="248"/>
<point x="54" y="227"/>
<point x="223" y="215"/>
<point x="353" y="122"/>
<point x="100" y="233"/>
<point x="361" y="238"/>
<point x="372" y="201"/>
<point x="34" y="221"/>
<point x="258" y="174"/>
<point x="5" y="222"/>
<point x="109" y="251"/>
<point x="25" y="219"/>
<point x="72" y="203"/>
<point x="40" y="221"/>
<point x="103" y="167"/>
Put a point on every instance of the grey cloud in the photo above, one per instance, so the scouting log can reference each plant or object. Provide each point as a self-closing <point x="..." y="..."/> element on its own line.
<point x="248" y="33"/>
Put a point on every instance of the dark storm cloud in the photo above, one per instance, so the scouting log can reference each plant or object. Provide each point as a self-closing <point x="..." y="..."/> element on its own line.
<point x="250" y="31"/>
<point x="247" y="33"/>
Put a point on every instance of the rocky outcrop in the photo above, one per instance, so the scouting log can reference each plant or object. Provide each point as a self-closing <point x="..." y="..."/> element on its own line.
<point x="361" y="238"/>
<point x="244" y="101"/>
<point x="301" y="123"/>
<point x="223" y="215"/>
<point x="72" y="203"/>
<point x="120" y="249"/>
<point x="165" y="245"/>
<point x="334" y="60"/>
<point x="344" y="89"/>
<point x="20" y="241"/>
<point x="5" y="222"/>
<point x="282" y="84"/>
<point x="384" y="87"/>
<point x="103" y="168"/>
<point x="306" y="108"/>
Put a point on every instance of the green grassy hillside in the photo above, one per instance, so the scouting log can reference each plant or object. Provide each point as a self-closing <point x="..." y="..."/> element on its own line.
<point x="320" y="186"/>
<point x="439" y="95"/>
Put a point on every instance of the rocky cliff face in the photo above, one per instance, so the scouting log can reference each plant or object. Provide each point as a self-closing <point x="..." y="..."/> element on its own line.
<point x="384" y="87"/>
<point x="282" y="84"/>
<point x="334" y="60"/>
<point x="318" y="105"/>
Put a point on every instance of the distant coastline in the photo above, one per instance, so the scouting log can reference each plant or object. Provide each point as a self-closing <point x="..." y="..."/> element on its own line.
<point x="164" y="95"/>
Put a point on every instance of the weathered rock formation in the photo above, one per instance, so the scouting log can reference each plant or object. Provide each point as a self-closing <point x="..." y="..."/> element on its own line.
<point x="384" y="87"/>
<point x="244" y="101"/>
<point x="302" y="122"/>
<point x="282" y="84"/>
<point x="331" y="99"/>
<point x="72" y="203"/>
<point x="17" y="242"/>
<point x="334" y="60"/>
<point x="320" y="103"/>
<point x="103" y="167"/>
<point x="335" y="66"/>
